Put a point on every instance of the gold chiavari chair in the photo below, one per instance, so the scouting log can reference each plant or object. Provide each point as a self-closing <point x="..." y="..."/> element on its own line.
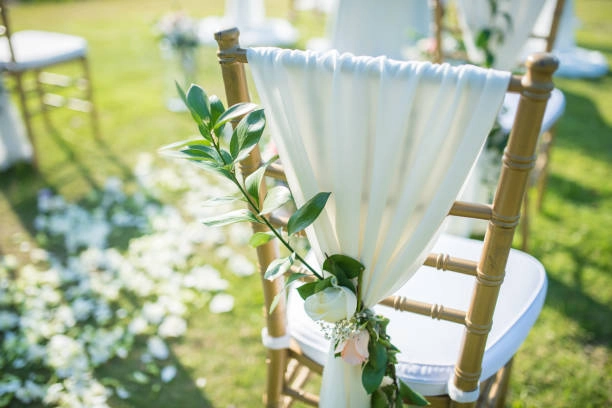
<point x="484" y="265"/>
<point x="28" y="55"/>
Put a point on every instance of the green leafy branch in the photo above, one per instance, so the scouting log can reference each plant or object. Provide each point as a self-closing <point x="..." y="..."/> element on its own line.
<point x="208" y="153"/>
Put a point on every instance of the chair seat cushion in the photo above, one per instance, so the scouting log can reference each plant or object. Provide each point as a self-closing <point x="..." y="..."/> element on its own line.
<point x="38" y="49"/>
<point x="429" y="348"/>
<point x="554" y="109"/>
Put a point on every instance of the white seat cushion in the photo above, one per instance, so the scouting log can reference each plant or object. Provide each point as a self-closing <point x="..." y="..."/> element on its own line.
<point x="429" y="348"/>
<point x="554" y="109"/>
<point x="37" y="49"/>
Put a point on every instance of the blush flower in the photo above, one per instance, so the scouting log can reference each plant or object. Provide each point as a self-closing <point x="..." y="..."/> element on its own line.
<point x="354" y="350"/>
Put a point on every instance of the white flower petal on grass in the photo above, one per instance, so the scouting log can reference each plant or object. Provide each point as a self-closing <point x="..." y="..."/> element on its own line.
<point x="153" y="312"/>
<point x="240" y="265"/>
<point x="158" y="348"/>
<point x="138" y="325"/>
<point x="39" y="255"/>
<point x="201" y="382"/>
<point x="122" y="393"/>
<point x="172" y="326"/>
<point x="221" y="303"/>
<point x="205" y="278"/>
<point x="8" y="320"/>
<point x="168" y="373"/>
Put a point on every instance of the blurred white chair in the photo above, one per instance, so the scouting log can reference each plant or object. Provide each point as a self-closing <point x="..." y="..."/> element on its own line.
<point x="574" y="61"/>
<point x="250" y="16"/>
<point x="365" y="27"/>
<point x="15" y="146"/>
<point x="32" y="52"/>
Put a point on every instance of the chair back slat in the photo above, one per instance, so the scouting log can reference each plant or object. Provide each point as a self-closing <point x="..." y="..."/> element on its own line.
<point x="236" y="90"/>
<point x="519" y="157"/>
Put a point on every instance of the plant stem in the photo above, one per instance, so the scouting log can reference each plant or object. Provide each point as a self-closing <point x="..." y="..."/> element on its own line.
<point x="260" y="217"/>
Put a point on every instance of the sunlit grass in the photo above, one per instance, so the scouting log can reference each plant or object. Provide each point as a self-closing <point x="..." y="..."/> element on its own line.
<point x="566" y="360"/>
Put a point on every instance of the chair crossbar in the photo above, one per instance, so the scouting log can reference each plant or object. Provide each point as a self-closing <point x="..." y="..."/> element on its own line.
<point x="435" y="311"/>
<point x="471" y="210"/>
<point x="446" y="262"/>
<point x="276" y="171"/>
<point x="296" y="353"/>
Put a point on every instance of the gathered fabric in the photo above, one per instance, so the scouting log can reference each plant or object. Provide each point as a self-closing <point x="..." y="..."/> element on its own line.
<point x="392" y="141"/>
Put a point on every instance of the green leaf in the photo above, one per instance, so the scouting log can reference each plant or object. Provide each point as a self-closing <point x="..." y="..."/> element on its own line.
<point x="234" y="112"/>
<point x="253" y="183"/>
<point x="350" y="267"/>
<point x="217" y="201"/>
<point x="482" y="40"/>
<point x="379" y="399"/>
<point x="204" y="131"/>
<point x="261" y="238"/>
<point x="307" y="289"/>
<point x="410" y="396"/>
<point x="276" y="198"/>
<point x="374" y="370"/>
<point x="275" y="301"/>
<point x="204" y="152"/>
<point x="306" y="215"/>
<point x="230" y="218"/>
<point x="247" y="134"/>
<point x="173" y="149"/>
<point x="292" y="278"/>
<point x="181" y="93"/>
<point x="278" y="267"/>
<point x="216" y="110"/>
<point x="489" y="59"/>
<point x="223" y="171"/>
<point x="198" y="103"/>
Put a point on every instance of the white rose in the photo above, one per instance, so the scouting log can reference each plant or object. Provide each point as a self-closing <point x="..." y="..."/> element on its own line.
<point x="331" y="304"/>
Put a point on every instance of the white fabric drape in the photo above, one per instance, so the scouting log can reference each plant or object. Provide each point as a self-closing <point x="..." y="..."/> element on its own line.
<point x="392" y="141"/>
<point x="366" y="27"/>
<point x="14" y="143"/>
<point x="475" y="15"/>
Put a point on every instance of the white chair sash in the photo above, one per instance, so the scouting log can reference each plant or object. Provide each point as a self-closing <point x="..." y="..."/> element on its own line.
<point x="392" y="141"/>
<point x="366" y="27"/>
<point x="475" y="15"/>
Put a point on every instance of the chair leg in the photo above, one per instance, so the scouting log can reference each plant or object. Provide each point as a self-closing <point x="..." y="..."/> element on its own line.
<point x="26" y="115"/>
<point x="548" y="138"/>
<point x="95" y="125"/>
<point x="44" y="110"/>
<point x="276" y="363"/>
<point x="525" y="223"/>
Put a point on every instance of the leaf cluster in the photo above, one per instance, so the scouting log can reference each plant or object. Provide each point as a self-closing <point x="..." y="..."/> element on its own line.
<point x="343" y="270"/>
<point x="381" y="363"/>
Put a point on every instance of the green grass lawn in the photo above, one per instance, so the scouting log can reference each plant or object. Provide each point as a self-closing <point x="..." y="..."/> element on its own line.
<point x="567" y="358"/>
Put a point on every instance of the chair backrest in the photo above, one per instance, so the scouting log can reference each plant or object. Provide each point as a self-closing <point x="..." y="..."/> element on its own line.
<point x="503" y="216"/>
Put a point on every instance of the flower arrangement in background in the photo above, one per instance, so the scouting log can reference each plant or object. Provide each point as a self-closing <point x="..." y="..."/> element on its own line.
<point x="178" y="30"/>
<point x="178" y="44"/>
<point x="332" y="297"/>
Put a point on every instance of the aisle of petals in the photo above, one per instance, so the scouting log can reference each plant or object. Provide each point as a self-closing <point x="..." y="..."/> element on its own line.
<point x="71" y="308"/>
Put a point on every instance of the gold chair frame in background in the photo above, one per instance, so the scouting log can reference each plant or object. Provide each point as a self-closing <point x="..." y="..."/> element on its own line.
<point x="43" y="80"/>
<point x="539" y="174"/>
<point x="289" y="369"/>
